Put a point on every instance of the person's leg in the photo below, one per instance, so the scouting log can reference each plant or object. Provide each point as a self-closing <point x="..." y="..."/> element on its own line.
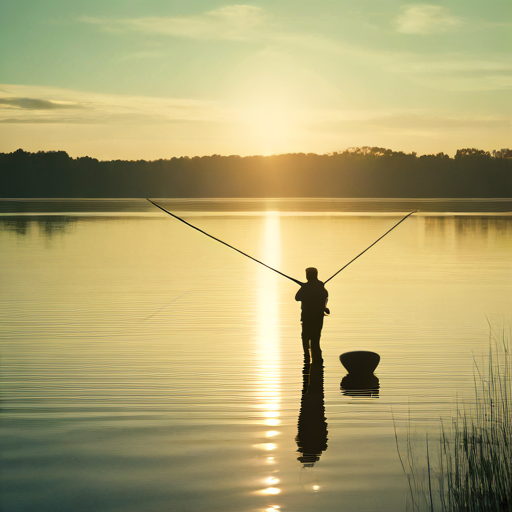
<point x="305" y="342"/>
<point x="316" y="351"/>
<point x="314" y="335"/>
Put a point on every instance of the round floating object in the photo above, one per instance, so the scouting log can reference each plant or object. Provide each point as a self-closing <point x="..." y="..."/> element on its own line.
<point x="360" y="362"/>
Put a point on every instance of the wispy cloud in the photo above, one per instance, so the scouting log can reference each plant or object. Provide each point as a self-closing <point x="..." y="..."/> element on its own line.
<point x="235" y="22"/>
<point x="120" y="126"/>
<point x="37" y="104"/>
<point x="93" y="108"/>
<point x="424" y="19"/>
<point x="37" y="120"/>
<point x="408" y="118"/>
<point x="142" y="55"/>
<point x="455" y="71"/>
<point x="458" y="82"/>
<point x="455" y="63"/>
<point x="34" y="104"/>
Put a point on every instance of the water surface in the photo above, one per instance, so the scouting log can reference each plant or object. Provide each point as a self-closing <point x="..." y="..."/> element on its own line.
<point x="147" y="368"/>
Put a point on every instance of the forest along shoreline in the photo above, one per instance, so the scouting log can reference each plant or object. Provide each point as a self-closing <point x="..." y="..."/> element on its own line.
<point x="357" y="172"/>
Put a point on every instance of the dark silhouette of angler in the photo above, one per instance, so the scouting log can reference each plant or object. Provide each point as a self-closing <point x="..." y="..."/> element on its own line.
<point x="312" y="294"/>
<point x="313" y="297"/>
<point x="224" y="243"/>
<point x="312" y="425"/>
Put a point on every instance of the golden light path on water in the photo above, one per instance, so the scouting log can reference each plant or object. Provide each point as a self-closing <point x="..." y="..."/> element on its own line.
<point x="267" y="351"/>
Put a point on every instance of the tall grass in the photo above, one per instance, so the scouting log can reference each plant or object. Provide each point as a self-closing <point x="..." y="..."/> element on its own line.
<point x="473" y="460"/>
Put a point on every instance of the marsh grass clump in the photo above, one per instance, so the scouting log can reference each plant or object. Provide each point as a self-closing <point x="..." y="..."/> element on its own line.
<point x="473" y="464"/>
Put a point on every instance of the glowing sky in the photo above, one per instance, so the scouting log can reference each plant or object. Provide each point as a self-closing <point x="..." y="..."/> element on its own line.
<point x="153" y="79"/>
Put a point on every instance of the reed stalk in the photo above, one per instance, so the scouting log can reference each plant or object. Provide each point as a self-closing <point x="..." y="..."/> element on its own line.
<point x="473" y="470"/>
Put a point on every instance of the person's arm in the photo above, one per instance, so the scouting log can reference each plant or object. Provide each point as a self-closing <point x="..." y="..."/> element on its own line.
<point x="298" y="295"/>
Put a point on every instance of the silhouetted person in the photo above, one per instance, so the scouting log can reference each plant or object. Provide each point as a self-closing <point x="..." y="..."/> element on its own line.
<point x="313" y="297"/>
<point x="312" y="427"/>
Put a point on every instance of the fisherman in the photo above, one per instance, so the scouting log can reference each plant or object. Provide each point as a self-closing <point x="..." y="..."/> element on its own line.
<point x="313" y="297"/>
<point x="312" y="294"/>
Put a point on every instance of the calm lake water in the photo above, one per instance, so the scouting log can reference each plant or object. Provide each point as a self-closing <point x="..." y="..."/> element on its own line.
<point x="145" y="367"/>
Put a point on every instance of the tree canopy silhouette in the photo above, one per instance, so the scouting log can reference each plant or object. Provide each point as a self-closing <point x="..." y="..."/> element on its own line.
<point x="355" y="172"/>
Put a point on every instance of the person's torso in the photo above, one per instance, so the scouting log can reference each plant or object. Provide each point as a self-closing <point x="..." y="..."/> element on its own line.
<point x="313" y="298"/>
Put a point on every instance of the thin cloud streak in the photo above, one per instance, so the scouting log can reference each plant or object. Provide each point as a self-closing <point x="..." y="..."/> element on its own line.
<point x="248" y="23"/>
<point x="406" y="119"/>
<point x="98" y="108"/>
<point x="38" y="120"/>
<point x="448" y="71"/>
<point x="454" y="63"/>
<point x="424" y="19"/>
<point x="139" y="110"/>
<point x="34" y="104"/>
<point x="232" y="22"/>
<point x="142" y="55"/>
<point x="454" y="72"/>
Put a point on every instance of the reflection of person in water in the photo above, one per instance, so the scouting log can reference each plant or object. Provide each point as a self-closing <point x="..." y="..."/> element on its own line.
<point x="312" y="426"/>
<point x="313" y="297"/>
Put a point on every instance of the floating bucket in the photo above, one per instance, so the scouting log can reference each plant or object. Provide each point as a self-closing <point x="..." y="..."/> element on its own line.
<point x="360" y="362"/>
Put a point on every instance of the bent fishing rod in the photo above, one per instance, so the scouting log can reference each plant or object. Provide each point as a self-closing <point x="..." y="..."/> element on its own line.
<point x="369" y="247"/>
<point x="226" y="244"/>
<point x="264" y="264"/>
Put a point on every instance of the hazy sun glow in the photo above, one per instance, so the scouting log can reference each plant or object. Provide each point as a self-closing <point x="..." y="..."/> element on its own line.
<point x="271" y="126"/>
<point x="190" y="78"/>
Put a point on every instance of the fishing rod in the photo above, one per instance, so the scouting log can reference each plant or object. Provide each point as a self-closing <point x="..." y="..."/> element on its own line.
<point x="224" y="243"/>
<point x="264" y="264"/>
<point x="369" y="247"/>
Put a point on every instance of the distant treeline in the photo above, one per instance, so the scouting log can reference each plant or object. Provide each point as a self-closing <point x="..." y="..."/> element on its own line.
<point x="357" y="172"/>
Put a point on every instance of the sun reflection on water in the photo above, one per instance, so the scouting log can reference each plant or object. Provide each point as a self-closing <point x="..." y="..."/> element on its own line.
<point x="271" y="490"/>
<point x="267" y="350"/>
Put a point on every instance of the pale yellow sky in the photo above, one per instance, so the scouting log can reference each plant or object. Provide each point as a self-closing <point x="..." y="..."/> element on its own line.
<point x="197" y="78"/>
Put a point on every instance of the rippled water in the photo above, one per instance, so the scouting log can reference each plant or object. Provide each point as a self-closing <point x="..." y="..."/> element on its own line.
<point x="145" y="367"/>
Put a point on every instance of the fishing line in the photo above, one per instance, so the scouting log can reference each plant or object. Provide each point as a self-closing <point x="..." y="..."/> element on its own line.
<point x="163" y="307"/>
<point x="264" y="264"/>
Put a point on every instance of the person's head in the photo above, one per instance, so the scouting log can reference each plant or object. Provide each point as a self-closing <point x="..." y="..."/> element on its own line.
<point x="311" y="274"/>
